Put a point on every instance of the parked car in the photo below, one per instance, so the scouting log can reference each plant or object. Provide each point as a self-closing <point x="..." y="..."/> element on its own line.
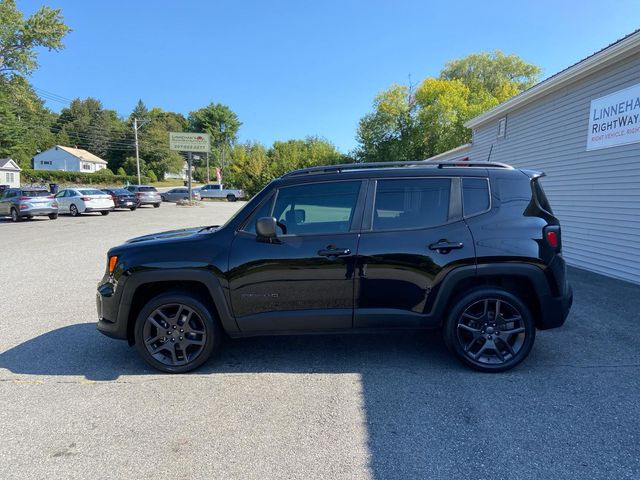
<point x="147" y="195"/>
<point x="84" y="200"/>
<point x="214" y="190"/>
<point x="474" y="250"/>
<point x="122" y="198"/>
<point x="21" y="203"/>
<point x="180" y="193"/>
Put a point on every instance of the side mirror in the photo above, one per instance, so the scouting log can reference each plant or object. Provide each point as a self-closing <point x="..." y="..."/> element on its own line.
<point x="266" y="227"/>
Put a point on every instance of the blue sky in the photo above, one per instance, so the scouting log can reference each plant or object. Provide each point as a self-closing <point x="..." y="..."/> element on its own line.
<point x="295" y="68"/>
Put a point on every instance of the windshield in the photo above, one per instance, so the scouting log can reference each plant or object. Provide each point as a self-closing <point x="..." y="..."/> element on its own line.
<point x="147" y="189"/>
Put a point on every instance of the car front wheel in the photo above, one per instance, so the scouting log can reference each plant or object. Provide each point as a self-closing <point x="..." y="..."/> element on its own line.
<point x="231" y="198"/>
<point x="15" y="216"/>
<point x="74" y="211"/>
<point x="490" y="329"/>
<point x="104" y="212"/>
<point x="176" y="332"/>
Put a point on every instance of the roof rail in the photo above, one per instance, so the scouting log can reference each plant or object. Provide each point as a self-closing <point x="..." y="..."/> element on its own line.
<point x="465" y="163"/>
<point x="356" y="166"/>
<point x="416" y="163"/>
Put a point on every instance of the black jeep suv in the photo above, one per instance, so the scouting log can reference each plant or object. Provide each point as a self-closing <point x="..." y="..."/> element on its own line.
<point x="472" y="248"/>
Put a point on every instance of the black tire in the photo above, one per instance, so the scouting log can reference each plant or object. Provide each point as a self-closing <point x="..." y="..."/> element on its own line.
<point x="73" y="210"/>
<point x="473" y="329"/>
<point x="15" y="216"/>
<point x="156" y="205"/>
<point x="206" y="321"/>
<point x="231" y="198"/>
<point x="104" y="212"/>
<point x="162" y="197"/>
<point x="53" y="216"/>
<point x="133" y="208"/>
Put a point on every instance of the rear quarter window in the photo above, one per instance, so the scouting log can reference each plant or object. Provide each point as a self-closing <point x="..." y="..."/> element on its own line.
<point x="475" y="193"/>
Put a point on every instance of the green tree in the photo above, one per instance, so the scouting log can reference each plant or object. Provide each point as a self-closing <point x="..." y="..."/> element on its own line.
<point x="152" y="176"/>
<point x="407" y="125"/>
<point x="249" y="167"/>
<point x="501" y="76"/>
<point x="154" y="142"/>
<point x="294" y="154"/>
<point x="389" y="132"/>
<point x="121" y="171"/>
<point x="222" y="124"/>
<point x="20" y="37"/>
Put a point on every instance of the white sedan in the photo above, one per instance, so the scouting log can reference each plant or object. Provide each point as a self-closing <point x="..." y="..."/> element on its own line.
<point x="84" y="200"/>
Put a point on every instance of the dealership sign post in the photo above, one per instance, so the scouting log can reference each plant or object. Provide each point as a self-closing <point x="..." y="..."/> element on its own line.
<point x="189" y="142"/>
<point x="615" y="119"/>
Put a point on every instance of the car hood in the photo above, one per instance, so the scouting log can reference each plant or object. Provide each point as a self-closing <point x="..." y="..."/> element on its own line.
<point x="173" y="234"/>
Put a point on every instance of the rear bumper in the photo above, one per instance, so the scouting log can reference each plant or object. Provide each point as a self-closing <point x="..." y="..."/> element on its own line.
<point x="555" y="309"/>
<point x="149" y="200"/>
<point x="34" y="212"/>
<point x="98" y="209"/>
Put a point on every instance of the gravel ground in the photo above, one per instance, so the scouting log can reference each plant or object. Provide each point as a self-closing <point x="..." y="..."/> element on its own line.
<point x="75" y="404"/>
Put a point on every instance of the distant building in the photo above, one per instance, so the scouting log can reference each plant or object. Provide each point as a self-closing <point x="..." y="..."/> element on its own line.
<point x="581" y="127"/>
<point x="68" y="159"/>
<point x="182" y="175"/>
<point x="9" y="172"/>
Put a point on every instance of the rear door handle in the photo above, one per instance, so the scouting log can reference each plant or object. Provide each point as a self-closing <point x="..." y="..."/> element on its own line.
<point x="334" y="252"/>
<point x="443" y="246"/>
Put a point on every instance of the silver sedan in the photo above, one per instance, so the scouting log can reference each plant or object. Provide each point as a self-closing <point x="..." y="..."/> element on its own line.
<point x="180" y="193"/>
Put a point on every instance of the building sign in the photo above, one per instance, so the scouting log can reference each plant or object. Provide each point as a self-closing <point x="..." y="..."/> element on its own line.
<point x="189" y="142"/>
<point x="615" y="119"/>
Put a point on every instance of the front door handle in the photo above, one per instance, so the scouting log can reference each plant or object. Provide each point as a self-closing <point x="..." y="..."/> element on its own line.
<point x="444" y="246"/>
<point x="334" y="252"/>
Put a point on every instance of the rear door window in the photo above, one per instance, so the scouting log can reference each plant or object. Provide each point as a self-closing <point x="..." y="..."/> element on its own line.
<point x="411" y="203"/>
<point x="475" y="193"/>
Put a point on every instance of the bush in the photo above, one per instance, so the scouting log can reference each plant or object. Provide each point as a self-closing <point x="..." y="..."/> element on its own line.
<point x="152" y="176"/>
<point x="121" y="172"/>
<point x="105" y="171"/>
<point x="61" y="177"/>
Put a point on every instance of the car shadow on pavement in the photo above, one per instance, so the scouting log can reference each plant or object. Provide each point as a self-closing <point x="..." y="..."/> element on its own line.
<point x="570" y="411"/>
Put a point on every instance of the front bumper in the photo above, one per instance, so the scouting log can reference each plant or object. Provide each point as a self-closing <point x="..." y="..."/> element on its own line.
<point x="108" y="299"/>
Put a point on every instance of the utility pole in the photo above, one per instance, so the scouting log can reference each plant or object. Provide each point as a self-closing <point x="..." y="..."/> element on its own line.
<point x="190" y="161"/>
<point x="207" y="154"/>
<point x="135" y="133"/>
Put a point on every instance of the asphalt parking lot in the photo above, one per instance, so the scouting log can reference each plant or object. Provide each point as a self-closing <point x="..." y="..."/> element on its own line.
<point x="75" y="404"/>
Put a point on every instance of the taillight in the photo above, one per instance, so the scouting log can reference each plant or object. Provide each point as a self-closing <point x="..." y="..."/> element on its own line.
<point x="24" y="198"/>
<point x="552" y="236"/>
<point x="86" y="199"/>
<point x="140" y="194"/>
<point x="113" y="198"/>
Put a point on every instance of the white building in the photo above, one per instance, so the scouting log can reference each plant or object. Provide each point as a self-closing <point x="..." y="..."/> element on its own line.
<point x="68" y="159"/>
<point x="9" y="172"/>
<point x="581" y="127"/>
<point x="182" y="175"/>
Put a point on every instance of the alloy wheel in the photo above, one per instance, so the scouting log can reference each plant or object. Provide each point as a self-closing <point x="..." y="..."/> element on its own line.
<point x="491" y="331"/>
<point x="174" y="335"/>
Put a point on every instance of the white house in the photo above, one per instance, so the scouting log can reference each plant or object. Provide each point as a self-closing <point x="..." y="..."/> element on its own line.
<point x="68" y="159"/>
<point x="182" y="175"/>
<point x="9" y="172"/>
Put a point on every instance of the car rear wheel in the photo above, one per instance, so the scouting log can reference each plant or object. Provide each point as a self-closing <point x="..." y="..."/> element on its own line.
<point x="490" y="329"/>
<point x="156" y="205"/>
<point x="104" y="212"/>
<point x="74" y="211"/>
<point x="132" y="208"/>
<point x="15" y="216"/>
<point x="176" y="332"/>
<point x="53" y="216"/>
<point x="231" y="198"/>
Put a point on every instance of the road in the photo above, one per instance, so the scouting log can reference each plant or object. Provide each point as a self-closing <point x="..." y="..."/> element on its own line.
<point x="75" y="404"/>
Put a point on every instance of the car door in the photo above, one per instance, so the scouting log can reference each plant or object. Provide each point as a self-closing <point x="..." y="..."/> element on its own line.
<point x="302" y="280"/>
<point x="412" y="234"/>
<point x="61" y="198"/>
<point x="5" y="201"/>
